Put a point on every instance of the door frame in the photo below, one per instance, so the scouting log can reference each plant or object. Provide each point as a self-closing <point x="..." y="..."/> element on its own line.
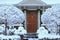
<point x="38" y="18"/>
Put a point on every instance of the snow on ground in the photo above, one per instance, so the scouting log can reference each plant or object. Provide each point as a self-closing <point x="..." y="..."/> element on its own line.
<point x="15" y="37"/>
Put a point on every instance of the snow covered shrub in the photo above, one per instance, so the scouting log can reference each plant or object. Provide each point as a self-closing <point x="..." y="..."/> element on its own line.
<point x="52" y="18"/>
<point x="12" y="14"/>
<point x="42" y="32"/>
<point x="20" y="30"/>
<point x="2" y="28"/>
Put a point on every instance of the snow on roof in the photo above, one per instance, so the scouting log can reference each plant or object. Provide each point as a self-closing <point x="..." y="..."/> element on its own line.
<point x="32" y="3"/>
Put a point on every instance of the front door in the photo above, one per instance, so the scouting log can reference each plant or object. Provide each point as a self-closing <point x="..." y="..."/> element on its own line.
<point x="32" y="21"/>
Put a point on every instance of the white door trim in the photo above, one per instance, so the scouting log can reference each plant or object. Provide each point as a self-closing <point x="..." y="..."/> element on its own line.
<point x="25" y="20"/>
<point x="38" y="18"/>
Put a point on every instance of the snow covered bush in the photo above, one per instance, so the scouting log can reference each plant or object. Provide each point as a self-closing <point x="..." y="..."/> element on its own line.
<point x="12" y="14"/>
<point x="20" y="30"/>
<point x="2" y="28"/>
<point x="52" y="18"/>
<point x="42" y="32"/>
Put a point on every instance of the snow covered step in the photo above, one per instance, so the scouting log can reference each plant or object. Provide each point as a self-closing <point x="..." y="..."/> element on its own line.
<point x="31" y="39"/>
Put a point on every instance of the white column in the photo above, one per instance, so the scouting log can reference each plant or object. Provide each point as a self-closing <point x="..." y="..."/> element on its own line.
<point x="38" y="18"/>
<point x="42" y="9"/>
<point x="25" y="19"/>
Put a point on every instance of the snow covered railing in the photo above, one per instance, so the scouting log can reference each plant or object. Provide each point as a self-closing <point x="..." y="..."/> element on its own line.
<point x="13" y="37"/>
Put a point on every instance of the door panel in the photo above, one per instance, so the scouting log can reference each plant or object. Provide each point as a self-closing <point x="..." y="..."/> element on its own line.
<point x="32" y="20"/>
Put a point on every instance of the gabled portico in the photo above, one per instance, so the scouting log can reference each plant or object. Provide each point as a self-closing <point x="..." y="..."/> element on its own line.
<point x="32" y="12"/>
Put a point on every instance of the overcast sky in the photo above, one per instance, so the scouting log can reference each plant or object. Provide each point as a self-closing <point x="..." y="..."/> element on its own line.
<point x="17" y="1"/>
<point x="52" y="1"/>
<point x="9" y="1"/>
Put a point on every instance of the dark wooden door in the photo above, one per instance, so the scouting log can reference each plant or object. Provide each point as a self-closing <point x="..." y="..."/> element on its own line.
<point x="32" y="21"/>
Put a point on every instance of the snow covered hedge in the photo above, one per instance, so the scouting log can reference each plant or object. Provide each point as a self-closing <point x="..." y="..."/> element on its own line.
<point x="52" y="18"/>
<point x="12" y="14"/>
